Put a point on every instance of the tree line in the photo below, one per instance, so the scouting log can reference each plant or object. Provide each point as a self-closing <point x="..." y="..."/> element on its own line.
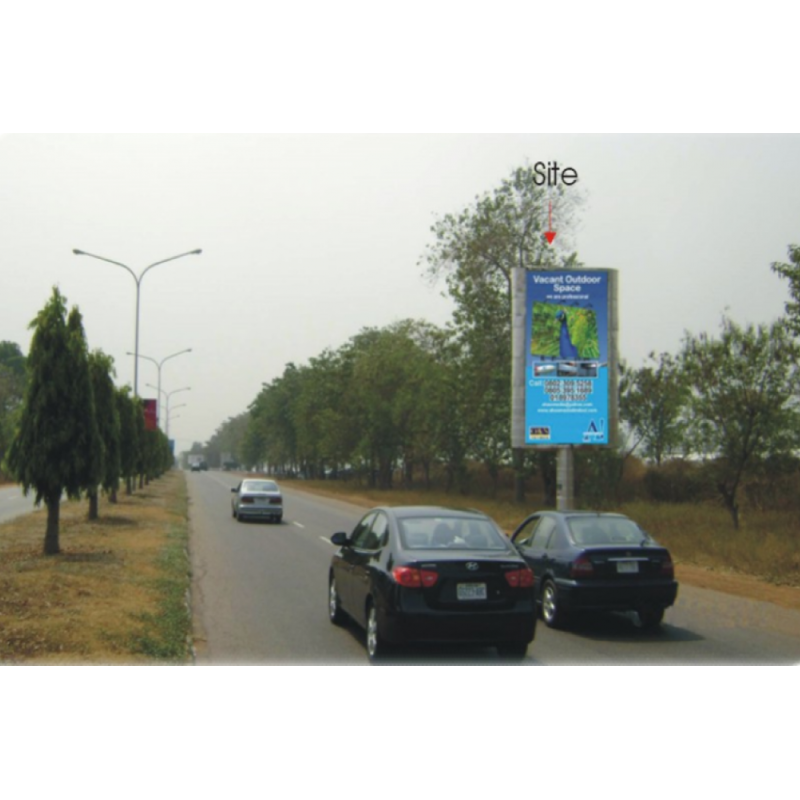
<point x="392" y="403"/>
<point x="65" y="428"/>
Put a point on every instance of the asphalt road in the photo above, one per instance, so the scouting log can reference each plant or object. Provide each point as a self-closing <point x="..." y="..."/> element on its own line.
<point x="13" y="503"/>
<point x="260" y="597"/>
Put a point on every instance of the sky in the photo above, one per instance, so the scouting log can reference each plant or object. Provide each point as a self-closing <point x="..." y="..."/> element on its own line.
<point x="308" y="238"/>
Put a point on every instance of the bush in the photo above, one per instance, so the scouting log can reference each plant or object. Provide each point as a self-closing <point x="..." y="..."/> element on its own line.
<point x="677" y="481"/>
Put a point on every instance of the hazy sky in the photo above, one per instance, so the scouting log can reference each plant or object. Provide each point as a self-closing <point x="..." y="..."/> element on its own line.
<point x="307" y="239"/>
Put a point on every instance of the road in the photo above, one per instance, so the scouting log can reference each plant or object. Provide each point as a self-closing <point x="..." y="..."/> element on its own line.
<point x="260" y="597"/>
<point x="13" y="503"/>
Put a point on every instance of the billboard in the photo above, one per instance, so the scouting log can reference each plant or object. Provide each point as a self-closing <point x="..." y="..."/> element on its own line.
<point x="568" y="336"/>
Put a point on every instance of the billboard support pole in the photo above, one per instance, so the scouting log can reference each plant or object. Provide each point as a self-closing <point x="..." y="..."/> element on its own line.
<point x="565" y="478"/>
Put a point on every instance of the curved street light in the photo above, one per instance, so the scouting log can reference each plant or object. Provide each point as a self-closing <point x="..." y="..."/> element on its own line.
<point x="138" y="279"/>
<point x="167" y="395"/>
<point x="170" y="416"/>
<point x="159" y="364"/>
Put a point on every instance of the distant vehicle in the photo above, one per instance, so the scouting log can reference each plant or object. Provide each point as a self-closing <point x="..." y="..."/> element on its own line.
<point x="417" y="574"/>
<point x="589" y="561"/>
<point x="197" y="462"/>
<point x="256" y="498"/>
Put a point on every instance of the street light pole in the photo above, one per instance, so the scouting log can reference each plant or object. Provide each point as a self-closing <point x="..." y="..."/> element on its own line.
<point x="169" y="416"/>
<point x="159" y="364"/>
<point x="138" y="280"/>
<point x="167" y="395"/>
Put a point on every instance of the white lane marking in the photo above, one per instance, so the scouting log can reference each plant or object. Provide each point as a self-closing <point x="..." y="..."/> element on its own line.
<point x="325" y="539"/>
<point x="298" y="525"/>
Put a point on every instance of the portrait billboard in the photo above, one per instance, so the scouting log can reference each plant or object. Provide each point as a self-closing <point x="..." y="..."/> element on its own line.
<point x="568" y="358"/>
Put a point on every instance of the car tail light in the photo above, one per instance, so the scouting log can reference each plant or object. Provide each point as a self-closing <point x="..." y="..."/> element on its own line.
<point x="581" y="567"/>
<point x="247" y="500"/>
<point x="276" y="501"/>
<point x="414" y="578"/>
<point x="667" y="568"/>
<point x="520" y="578"/>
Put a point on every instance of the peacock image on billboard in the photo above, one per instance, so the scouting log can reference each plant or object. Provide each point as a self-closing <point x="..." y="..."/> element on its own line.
<point x="567" y="356"/>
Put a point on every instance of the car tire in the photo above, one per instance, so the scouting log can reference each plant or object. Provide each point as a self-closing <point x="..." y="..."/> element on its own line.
<point x="650" y="618"/>
<point x="513" y="651"/>
<point x="552" y="612"/>
<point x="335" y="613"/>
<point x="377" y="648"/>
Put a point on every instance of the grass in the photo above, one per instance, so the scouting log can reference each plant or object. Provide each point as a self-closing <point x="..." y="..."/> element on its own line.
<point x="766" y="546"/>
<point x="116" y="594"/>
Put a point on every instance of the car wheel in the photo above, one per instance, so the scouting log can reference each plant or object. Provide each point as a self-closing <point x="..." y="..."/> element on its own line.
<point x="513" y="651"/>
<point x="552" y="613"/>
<point x="335" y="613"/>
<point x="377" y="648"/>
<point x="650" y="618"/>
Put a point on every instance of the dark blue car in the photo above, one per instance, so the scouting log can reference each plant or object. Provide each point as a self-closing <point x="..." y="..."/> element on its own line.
<point x="589" y="561"/>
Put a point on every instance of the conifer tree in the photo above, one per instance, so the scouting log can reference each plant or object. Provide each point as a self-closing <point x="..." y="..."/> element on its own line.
<point x="56" y="446"/>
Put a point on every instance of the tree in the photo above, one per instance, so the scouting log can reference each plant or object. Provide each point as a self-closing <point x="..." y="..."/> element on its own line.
<point x="101" y="370"/>
<point x="55" y="449"/>
<point x="13" y="377"/>
<point x="128" y="436"/>
<point x="475" y="251"/>
<point x="791" y="272"/>
<point x="742" y="406"/>
<point x="652" y="400"/>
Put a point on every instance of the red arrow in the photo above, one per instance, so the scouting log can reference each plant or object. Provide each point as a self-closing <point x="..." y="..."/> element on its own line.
<point x="550" y="234"/>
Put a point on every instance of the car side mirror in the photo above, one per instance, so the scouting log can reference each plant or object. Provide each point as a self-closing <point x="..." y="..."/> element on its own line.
<point x="235" y="489"/>
<point x="340" y="539"/>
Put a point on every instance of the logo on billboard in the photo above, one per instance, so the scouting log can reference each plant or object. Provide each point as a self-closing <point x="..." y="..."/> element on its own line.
<point x="539" y="433"/>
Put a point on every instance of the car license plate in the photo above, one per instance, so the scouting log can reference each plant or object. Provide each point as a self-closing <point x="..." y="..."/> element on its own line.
<point x="471" y="591"/>
<point x="627" y="566"/>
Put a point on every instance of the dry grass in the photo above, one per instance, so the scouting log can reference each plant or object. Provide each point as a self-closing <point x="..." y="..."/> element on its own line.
<point x="761" y="560"/>
<point x="111" y="596"/>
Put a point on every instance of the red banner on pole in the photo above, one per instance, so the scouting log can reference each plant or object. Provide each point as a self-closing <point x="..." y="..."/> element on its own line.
<point x="150" y="415"/>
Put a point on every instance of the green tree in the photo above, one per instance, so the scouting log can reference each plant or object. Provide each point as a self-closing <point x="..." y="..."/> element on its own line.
<point x="56" y="446"/>
<point x="128" y="436"/>
<point x="791" y="272"/>
<point x="13" y="378"/>
<point x="652" y="402"/>
<point x="742" y="406"/>
<point x="101" y="370"/>
<point x="475" y="251"/>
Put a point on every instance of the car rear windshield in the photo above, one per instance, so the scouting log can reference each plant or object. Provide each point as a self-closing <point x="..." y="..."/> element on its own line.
<point x="605" y="530"/>
<point x="259" y="486"/>
<point x="423" y="533"/>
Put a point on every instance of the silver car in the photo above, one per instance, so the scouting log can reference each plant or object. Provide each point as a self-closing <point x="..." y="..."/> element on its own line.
<point x="257" y="498"/>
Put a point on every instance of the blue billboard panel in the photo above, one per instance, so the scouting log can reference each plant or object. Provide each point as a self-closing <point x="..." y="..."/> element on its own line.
<point x="566" y="357"/>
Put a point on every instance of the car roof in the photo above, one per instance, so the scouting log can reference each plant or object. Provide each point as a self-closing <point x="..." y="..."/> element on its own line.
<point x="407" y="512"/>
<point x="582" y="513"/>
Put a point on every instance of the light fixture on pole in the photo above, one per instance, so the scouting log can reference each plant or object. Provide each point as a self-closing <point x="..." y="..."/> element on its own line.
<point x="171" y="416"/>
<point x="138" y="279"/>
<point x="167" y="395"/>
<point x="159" y="364"/>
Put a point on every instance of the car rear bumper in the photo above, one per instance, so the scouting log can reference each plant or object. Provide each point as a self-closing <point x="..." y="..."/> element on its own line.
<point x="615" y="597"/>
<point x="271" y="512"/>
<point x="490" y="627"/>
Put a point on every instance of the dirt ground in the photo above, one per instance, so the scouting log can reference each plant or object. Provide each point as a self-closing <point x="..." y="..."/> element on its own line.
<point x="740" y="585"/>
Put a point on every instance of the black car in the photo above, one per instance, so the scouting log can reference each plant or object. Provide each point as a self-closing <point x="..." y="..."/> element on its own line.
<point x="424" y="574"/>
<point x="595" y="561"/>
